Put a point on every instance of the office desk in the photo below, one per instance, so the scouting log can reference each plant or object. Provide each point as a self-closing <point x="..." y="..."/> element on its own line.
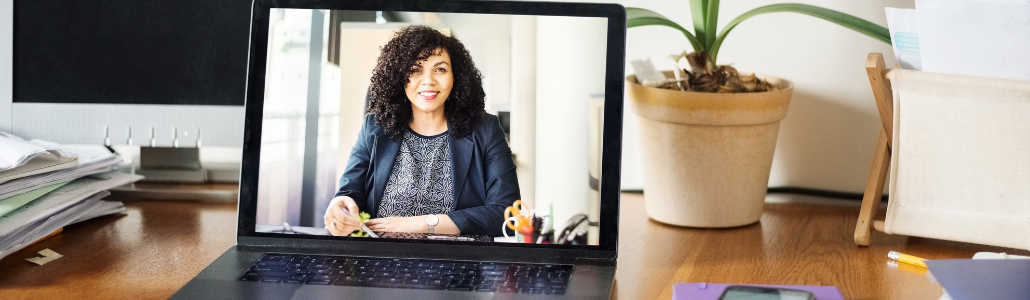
<point x="158" y="246"/>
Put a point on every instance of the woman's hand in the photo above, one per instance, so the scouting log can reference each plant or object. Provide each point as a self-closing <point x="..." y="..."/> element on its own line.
<point x="339" y="222"/>
<point x="416" y="224"/>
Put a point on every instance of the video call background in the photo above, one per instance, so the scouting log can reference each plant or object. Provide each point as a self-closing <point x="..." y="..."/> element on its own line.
<point x="547" y="72"/>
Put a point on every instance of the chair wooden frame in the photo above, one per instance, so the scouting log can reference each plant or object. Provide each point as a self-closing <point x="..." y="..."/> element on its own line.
<point x="884" y="96"/>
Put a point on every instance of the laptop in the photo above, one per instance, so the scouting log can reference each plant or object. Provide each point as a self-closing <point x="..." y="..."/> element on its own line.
<point x="521" y="202"/>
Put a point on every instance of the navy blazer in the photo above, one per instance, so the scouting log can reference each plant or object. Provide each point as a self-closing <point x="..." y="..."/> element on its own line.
<point x="481" y="167"/>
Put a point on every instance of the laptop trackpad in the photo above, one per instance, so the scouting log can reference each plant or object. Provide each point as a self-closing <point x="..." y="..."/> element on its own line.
<point x="348" y="292"/>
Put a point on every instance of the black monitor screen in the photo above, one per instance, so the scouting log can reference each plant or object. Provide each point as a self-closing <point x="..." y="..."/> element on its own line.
<point x="130" y="51"/>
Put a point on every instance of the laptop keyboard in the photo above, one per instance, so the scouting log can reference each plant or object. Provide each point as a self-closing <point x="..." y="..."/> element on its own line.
<point x="410" y="273"/>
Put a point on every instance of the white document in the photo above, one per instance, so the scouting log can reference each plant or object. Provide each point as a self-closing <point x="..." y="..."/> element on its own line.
<point x="976" y="38"/>
<point x="29" y="233"/>
<point x="15" y="151"/>
<point x="42" y="163"/>
<point x="63" y="197"/>
<point x="92" y="160"/>
<point x="903" y="25"/>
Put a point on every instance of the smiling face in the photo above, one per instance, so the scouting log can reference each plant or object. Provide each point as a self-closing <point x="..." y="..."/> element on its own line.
<point x="430" y="83"/>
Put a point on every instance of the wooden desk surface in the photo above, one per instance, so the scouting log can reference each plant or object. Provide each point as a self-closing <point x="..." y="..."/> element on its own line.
<point x="158" y="246"/>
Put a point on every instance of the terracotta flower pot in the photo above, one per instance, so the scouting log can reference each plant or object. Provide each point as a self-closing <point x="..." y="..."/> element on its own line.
<point x="707" y="156"/>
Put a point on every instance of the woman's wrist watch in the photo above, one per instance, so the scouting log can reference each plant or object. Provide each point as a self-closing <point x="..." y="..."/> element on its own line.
<point x="432" y="220"/>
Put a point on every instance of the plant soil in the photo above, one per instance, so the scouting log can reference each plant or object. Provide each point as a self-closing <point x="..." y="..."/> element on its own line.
<point x="704" y="77"/>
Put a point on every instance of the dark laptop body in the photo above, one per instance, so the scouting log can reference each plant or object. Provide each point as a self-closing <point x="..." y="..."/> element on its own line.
<point x="594" y="264"/>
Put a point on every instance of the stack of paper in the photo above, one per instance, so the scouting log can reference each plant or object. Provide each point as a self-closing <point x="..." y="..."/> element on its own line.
<point x="20" y="158"/>
<point x="45" y="186"/>
<point x="984" y="38"/>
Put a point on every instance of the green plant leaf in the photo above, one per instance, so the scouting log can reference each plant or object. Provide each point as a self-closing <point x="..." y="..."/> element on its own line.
<point x="711" y="25"/>
<point x="854" y="23"/>
<point x="699" y="14"/>
<point x="636" y="17"/>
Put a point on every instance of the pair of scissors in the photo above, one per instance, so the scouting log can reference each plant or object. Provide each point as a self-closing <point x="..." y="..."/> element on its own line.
<point x="520" y="223"/>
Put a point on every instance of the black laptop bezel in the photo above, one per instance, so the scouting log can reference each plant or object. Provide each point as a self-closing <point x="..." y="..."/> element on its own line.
<point x="611" y="141"/>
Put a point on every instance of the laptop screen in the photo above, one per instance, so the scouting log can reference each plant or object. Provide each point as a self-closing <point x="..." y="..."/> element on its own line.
<point x="431" y="127"/>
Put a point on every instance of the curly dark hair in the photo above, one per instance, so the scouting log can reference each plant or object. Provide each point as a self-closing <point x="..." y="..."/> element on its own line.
<point x="409" y="46"/>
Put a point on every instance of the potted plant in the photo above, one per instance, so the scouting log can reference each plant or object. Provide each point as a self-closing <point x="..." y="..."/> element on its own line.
<point x="708" y="134"/>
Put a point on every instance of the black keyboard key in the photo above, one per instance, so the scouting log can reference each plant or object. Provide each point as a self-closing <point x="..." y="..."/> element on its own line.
<point x="563" y="275"/>
<point x="493" y="273"/>
<point x="250" y="277"/>
<point x="347" y="282"/>
<point x="271" y="263"/>
<point x="424" y="286"/>
<point x="271" y="279"/>
<point x="379" y="284"/>
<point x="437" y="281"/>
<point x="269" y="269"/>
<point x="291" y="280"/>
<point x="452" y="276"/>
<point x="429" y="275"/>
<point x="386" y="274"/>
<point x="531" y="290"/>
<point x="554" y="291"/>
<point x="277" y="274"/>
<point x="370" y="279"/>
<point x="271" y="258"/>
<point x="323" y="277"/>
<point x="507" y="289"/>
<point x="486" y="289"/>
<point x="407" y="275"/>
<point x="415" y="280"/>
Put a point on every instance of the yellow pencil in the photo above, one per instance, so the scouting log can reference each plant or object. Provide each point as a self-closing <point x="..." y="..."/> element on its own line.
<point x="905" y="258"/>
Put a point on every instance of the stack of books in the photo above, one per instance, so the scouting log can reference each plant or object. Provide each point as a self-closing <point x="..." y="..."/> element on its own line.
<point x="46" y="186"/>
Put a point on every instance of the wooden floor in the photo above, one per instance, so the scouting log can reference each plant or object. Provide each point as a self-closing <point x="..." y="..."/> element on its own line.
<point x="799" y="240"/>
<point x="153" y="250"/>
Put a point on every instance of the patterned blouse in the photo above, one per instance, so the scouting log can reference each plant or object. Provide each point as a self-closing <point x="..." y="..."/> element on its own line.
<point x="420" y="181"/>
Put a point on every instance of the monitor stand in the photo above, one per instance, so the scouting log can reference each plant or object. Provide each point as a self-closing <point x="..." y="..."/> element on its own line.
<point x="171" y="164"/>
<point x="173" y="173"/>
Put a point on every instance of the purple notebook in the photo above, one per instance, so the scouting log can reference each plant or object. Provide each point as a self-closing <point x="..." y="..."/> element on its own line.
<point x="711" y="291"/>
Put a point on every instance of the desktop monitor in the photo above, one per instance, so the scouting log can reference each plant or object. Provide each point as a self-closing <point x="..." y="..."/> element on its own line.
<point x="82" y="72"/>
<point x="547" y="73"/>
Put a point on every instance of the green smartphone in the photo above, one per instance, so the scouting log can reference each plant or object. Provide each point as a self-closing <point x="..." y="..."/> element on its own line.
<point x="744" y="292"/>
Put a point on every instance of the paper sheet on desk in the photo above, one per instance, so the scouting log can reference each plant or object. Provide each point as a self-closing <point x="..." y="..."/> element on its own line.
<point x="903" y="25"/>
<point x="88" y="208"/>
<point x="62" y="198"/>
<point x="92" y="160"/>
<point x="15" y="151"/>
<point x="976" y="38"/>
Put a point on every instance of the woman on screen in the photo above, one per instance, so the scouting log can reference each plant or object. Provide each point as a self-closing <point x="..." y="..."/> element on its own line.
<point x="428" y="158"/>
